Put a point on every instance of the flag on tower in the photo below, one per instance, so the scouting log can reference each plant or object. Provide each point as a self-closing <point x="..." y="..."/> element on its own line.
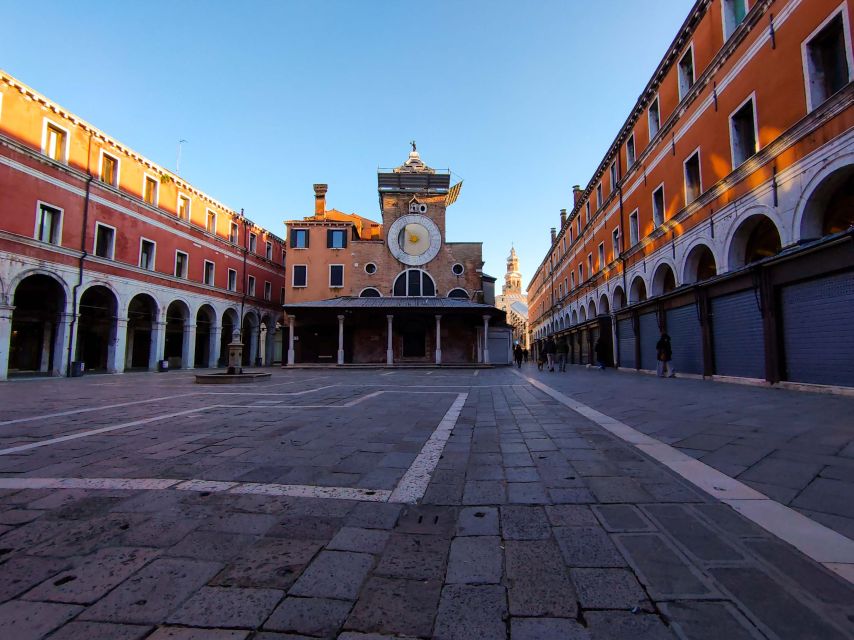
<point x="453" y="194"/>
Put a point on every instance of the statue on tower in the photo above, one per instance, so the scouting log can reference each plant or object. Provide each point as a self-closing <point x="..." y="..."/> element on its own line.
<point x="412" y="142"/>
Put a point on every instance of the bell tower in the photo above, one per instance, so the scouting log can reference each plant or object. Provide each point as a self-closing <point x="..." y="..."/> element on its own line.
<point x="512" y="279"/>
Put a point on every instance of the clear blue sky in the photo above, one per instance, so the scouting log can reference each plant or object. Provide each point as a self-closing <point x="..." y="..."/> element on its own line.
<point x="521" y="99"/>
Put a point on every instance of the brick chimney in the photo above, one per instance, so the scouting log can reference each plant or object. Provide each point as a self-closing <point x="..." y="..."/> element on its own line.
<point x="554" y="235"/>
<point x="562" y="218"/>
<point x="576" y="194"/>
<point x="320" y="200"/>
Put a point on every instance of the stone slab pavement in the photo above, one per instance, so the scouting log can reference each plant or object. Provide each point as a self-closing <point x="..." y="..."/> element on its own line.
<point x="187" y="515"/>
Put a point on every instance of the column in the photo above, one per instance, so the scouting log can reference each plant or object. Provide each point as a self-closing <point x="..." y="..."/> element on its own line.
<point x="117" y="351"/>
<point x="158" y="344"/>
<point x="340" y="339"/>
<point x="291" y="320"/>
<point x="486" y="339"/>
<point x="438" y="339"/>
<point x="478" y="338"/>
<point x="5" y="338"/>
<point x="262" y="345"/>
<point x="215" y="342"/>
<point x="389" y="351"/>
<point x="188" y="348"/>
<point x="60" y="345"/>
<point x="252" y="344"/>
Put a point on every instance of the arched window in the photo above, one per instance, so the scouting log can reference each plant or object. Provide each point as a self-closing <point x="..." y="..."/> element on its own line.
<point x="414" y="282"/>
<point x="458" y="293"/>
<point x="370" y="292"/>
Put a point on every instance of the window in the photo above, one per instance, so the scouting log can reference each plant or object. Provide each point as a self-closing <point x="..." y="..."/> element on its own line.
<point x="654" y="118"/>
<point x="184" y="207"/>
<point x="282" y="295"/>
<point x="572" y="279"/>
<point x="336" y="276"/>
<point x="414" y="282"/>
<point x="232" y="280"/>
<point x="48" y="224"/>
<point x="268" y="250"/>
<point x="693" y="188"/>
<point x="371" y="292"/>
<point x="742" y="133"/>
<point x="268" y="290"/>
<point x="578" y="225"/>
<point x="250" y="288"/>
<point x="457" y="269"/>
<point x="299" y="238"/>
<point x="460" y="294"/>
<point x="149" y="191"/>
<point x="108" y="171"/>
<point x="589" y="264"/>
<point x="566" y="285"/>
<point x="55" y="142"/>
<point x="613" y="173"/>
<point x="300" y="275"/>
<point x="370" y="268"/>
<point x="630" y="151"/>
<point x="601" y="256"/>
<point x="658" y="206"/>
<point x="147" y="249"/>
<point x="105" y="241"/>
<point x="233" y="233"/>
<point x="686" y="72"/>
<point x="615" y="242"/>
<point x="284" y="257"/>
<point x="634" y="235"/>
<point x="827" y="61"/>
<point x="336" y="238"/>
<point x="733" y="14"/>
<point x="209" y="273"/>
<point x="580" y="273"/>
<point x="181" y="261"/>
<point x="560" y="290"/>
<point x="253" y="242"/>
<point x="598" y="196"/>
<point x="210" y="222"/>
<point x="587" y="211"/>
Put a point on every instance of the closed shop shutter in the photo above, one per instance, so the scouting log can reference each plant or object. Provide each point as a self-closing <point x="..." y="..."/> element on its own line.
<point x="573" y="348"/>
<point x="626" y="338"/>
<point x="649" y="336"/>
<point x="739" y="346"/>
<point x="585" y="347"/>
<point x="594" y="336"/>
<point x="683" y="326"/>
<point x="818" y="330"/>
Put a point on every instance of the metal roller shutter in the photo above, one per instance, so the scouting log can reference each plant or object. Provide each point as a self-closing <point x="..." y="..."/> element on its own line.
<point x="585" y="346"/>
<point x="626" y="338"/>
<point x="684" y="329"/>
<point x="649" y="336"/>
<point x="818" y="330"/>
<point x="739" y="343"/>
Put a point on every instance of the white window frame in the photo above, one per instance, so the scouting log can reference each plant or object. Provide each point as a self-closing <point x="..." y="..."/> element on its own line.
<point x="147" y="176"/>
<point x="681" y="93"/>
<point x="250" y="286"/>
<point x="615" y="242"/>
<point x="630" y="144"/>
<point x="612" y="177"/>
<point x="634" y="230"/>
<point x="657" y="102"/>
<point x="724" y="24"/>
<point x="65" y="146"/>
<point x="590" y="270"/>
<point x="233" y="226"/>
<point x="846" y="36"/>
<point x="601" y="255"/>
<point x="212" y="283"/>
<point x="268" y="250"/>
<point x="118" y="160"/>
<point x="231" y="283"/>
<point x="39" y="205"/>
<point x="656" y="224"/>
<point x="112" y="255"/>
<point x="293" y="279"/>
<point x="599" y="198"/>
<point x="188" y="200"/>
<point x="253" y="242"/>
<point x="685" y="176"/>
<point x="332" y="286"/>
<point x="307" y="238"/>
<point x="153" y="254"/>
<point x="215" y="221"/>
<point x="580" y="273"/>
<point x="572" y="278"/>
<point x="186" y="255"/>
<point x="284" y="257"/>
<point x="268" y="291"/>
<point x="750" y="98"/>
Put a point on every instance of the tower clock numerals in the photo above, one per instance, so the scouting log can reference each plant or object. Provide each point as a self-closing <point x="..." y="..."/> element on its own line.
<point x="417" y="207"/>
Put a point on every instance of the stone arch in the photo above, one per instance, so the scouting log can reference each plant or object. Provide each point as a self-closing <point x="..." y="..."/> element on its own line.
<point x="663" y="279"/>
<point x="574" y="317"/>
<point x="19" y="278"/>
<point x="700" y="263"/>
<point x="229" y="323"/>
<point x="206" y="337"/>
<point x="637" y="290"/>
<point x="142" y="313"/>
<point x="618" y="298"/>
<point x="407" y="284"/>
<point x="591" y="309"/>
<point x="267" y="343"/>
<point x="458" y="292"/>
<point x="604" y="306"/>
<point x="826" y="204"/>
<point x="250" y="334"/>
<point x="755" y="237"/>
<point x="38" y="332"/>
<point x="370" y="292"/>
<point x="582" y="314"/>
<point x="96" y="328"/>
<point x="176" y="347"/>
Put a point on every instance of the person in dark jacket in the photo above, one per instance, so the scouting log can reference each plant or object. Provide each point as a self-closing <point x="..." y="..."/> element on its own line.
<point x="518" y="355"/>
<point x="551" y="350"/>
<point x="562" y="350"/>
<point x="664" y="351"/>
<point x="541" y="355"/>
<point x="599" y="348"/>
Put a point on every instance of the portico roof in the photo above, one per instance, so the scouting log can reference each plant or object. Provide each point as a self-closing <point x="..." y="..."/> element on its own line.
<point x="394" y="303"/>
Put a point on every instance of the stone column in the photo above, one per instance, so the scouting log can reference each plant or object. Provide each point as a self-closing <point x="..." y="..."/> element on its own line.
<point x="117" y="351"/>
<point x="262" y="345"/>
<point x="478" y="338"/>
<point x="158" y="344"/>
<point x="61" y="342"/>
<point x="438" y="339"/>
<point x="486" y="339"/>
<point x="340" y="339"/>
<point x="291" y="320"/>
<point x="389" y="352"/>
<point x="188" y="348"/>
<point x="251" y="343"/>
<point x="213" y="350"/>
<point x="5" y="338"/>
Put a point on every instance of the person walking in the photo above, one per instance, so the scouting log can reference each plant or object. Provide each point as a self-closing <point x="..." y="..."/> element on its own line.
<point x="518" y="355"/>
<point x="599" y="348"/>
<point x="562" y="349"/>
<point x="541" y="355"/>
<point x="551" y="350"/>
<point x="525" y="354"/>
<point x="664" y="351"/>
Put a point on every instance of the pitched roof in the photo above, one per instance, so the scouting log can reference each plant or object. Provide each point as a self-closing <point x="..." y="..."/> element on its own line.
<point x="352" y="302"/>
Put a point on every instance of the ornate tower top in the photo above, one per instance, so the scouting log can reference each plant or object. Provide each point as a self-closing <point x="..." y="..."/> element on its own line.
<point x="513" y="278"/>
<point x="414" y="164"/>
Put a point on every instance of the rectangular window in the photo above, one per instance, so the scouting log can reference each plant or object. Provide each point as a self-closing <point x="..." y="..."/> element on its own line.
<point x="580" y="273"/>
<point x="566" y="285"/>
<point x="149" y="191"/>
<point x="253" y="242"/>
<point x="233" y="233"/>
<point x="48" y="224"/>
<point x="578" y="226"/>
<point x="589" y="264"/>
<point x="630" y="151"/>
<point x="210" y="222"/>
<point x="693" y="186"/>
<point x="55" y="142"/>
<point x="601" y="264"/>
<point x="742" y="133"/>
<point x="209" y="273"/>
<point x="658" y="206"/>
<point x="105" y="241"/>
<point x="232" y="280"/>
<point x="587" y="210"/>
<point x="572" y="279"/>
<point x="613" y="172"/>
<point x="654" y="118"/>
<point x="733" y="15"/>
<point x="268" y="291"/>
<point x="181" y="262"/>
<point x="634" y="234"/>
<point x="336" y="276"/>
<point x="299" y="238"/>
<point x="109" y="171"/>
<point x="686" y="72"/>
<point x="147" y="249"/>
<point x="615" y="242"/>
<point x="336" y="238"/>
<point x="251" y="287"/>
<point x="184" y="207"/>
<point x="268" y="250"/>
<point x="599" y="199"/>
<point x="560" y="290"/>
<point x="284" y="257"/>
<point x="300" y="275"/>
<point x="826" y="61"/>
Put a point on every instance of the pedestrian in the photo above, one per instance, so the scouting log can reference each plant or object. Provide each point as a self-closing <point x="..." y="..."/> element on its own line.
<point x="562" y="349"/>
<point x="518" y="355"/>
<point x="599" y="348"/>
<point x="664" y="354"/>
<point x="551" y="350"/>
<point x="525" y="353"/>
<point x="541" y="355"/>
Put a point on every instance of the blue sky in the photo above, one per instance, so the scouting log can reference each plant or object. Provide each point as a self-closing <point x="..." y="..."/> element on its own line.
<point x="521" y="99"/>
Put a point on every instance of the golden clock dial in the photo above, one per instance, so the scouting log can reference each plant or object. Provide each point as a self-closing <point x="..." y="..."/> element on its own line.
<point x="414" y="239"/>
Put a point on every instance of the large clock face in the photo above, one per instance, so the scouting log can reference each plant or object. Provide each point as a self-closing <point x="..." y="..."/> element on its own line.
<point x="414" y="239"/>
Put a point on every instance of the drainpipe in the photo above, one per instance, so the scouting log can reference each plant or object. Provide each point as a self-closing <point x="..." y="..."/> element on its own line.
<point x="245" y="253"/>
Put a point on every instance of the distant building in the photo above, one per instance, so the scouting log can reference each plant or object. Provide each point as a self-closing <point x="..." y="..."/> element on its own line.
<point x="513" y="301"/>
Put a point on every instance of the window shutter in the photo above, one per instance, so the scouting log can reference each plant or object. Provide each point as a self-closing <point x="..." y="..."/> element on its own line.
<point x="344" y="238"/>
<point x="329" y="235"/>
<point x="307" y="234"/>
<point x="293" y="238"/>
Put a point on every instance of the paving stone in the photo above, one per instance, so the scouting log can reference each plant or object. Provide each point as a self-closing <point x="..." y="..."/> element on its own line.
<point x="395" y="606"/>
<point x="571" y="496"/>
<point x="619" y="489"/>
<point x="478" y="521"/>
<point x="827" y="496"/>
<point x="19" y="516"/>
<point x="93" y="577"/>
<point x="306" y="527"/>
<point x="475" y="560"/>
<point x="485" y="472"/>
<point x="100" y="631"/>
<point x="785" y="473"/>
<point x="620" y="625"/>
<point x="708" y="621"/>
<point x="521" y="474"/>
<point x="671" y="491"/>
<point x="526" y="493"/>
<point x="152" y="593"/>
<point x="415" y="557"/>
<point x="587" y="547"/>
<point x="444" y="494"/>
<point x="20" y="573"/>
<point x="246" y="523"/>
<point x="210" y="545"/>
<point x="334" y="574"/>
<point x="620" y="518"/>
<point x="427" y="520"/>
<point x="524" y="523"/>
<point x="271" y="563"/>
<point x="567" y="515"/>
<point x="226" y="607"/>
<point x="484" y="492"/>
<point x="363" y="540"/>
<point x="159" y="531"/>
<point x="471" y="612"/>
<point x="182" y="633"/>
<point x="660" y="568"/>
<point x="22" y="620"/>
<point x="374" y="515"/>
<point x="537" y="581"/>
<point x="692" y="534"/>
<point x="609" y="589"/>
<point x="310" y="616"/>
<point x="540" y="628"/>
<point x="729" y="520"/>
<point x="83" y="537"/>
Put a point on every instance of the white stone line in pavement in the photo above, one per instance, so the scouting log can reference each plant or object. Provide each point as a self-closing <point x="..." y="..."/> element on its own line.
<point x="822" y="544"/>
<point x="281" y="393"/>
<point x="413" y="484"/>
<point x="309" y="491"/>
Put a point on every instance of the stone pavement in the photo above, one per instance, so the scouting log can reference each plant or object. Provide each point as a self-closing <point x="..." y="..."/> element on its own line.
<point x="196" y="512"/>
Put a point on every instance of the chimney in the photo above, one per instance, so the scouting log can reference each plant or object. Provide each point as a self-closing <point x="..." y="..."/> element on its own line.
<point x="320" y="200"/>
<point x="576" y="195"/>
<point x="562" y="218"/>
<point x="554" y="235"/>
